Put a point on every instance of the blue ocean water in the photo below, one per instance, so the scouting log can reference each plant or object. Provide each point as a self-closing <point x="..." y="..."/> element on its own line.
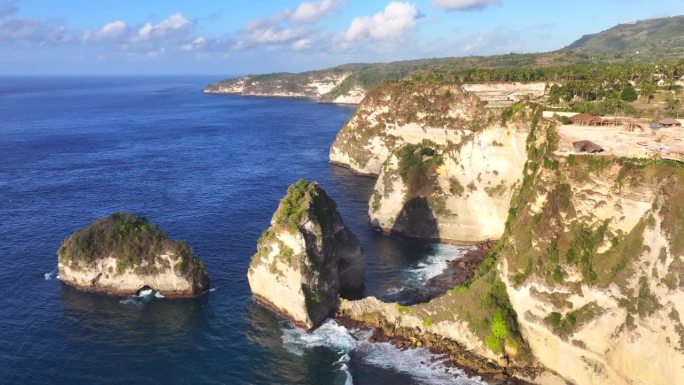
<point x="209" y="169"/>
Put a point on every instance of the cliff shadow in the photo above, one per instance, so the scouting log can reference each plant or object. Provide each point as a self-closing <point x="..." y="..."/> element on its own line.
<point x="416" y="220"/>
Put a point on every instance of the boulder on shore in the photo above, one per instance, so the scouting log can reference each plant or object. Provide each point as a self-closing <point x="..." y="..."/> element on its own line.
<point x="124" y="254"/>
<point x="306" y="258"/>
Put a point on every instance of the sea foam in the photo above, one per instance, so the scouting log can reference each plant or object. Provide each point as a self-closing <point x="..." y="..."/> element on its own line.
<point x="330" y="335"/>
<point x="419" y="363"/>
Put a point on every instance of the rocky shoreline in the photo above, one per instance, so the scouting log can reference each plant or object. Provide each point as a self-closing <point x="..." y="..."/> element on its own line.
<point x="457" y="356"/>
<point x="458" y="272"/>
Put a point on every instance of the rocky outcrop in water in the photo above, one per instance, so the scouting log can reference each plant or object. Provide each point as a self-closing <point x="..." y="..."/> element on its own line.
<point x="306" y="258"/>
<point x="124" y="254"/>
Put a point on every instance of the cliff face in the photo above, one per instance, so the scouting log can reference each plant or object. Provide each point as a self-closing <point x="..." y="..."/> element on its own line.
<point x="306" y="258"/>
<point x="123" y="254"/>
<point x="455" y="192"/>
<point x="585" y="283"/>
<point x="398" y="113"/>
<point x="593" y="267"/>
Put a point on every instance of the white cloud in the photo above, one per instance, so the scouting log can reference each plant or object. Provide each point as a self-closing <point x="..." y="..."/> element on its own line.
<point x="267" y="35"/>
<point x="199" y="43"/>
<point x="464" y="5"/>
<point x="176" y="25"/>
<point x="116" y="31"/>
<point x="397" y="19"/>
<point x="303" y="44"/>
<point x="314" y="11"/>
<point x="34" y="31"/>
<point x="286" y="28"/>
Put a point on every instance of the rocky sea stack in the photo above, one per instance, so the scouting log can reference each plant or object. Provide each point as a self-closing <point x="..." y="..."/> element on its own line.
<point x="306" y="258"/>
<point x="124" y="254"/>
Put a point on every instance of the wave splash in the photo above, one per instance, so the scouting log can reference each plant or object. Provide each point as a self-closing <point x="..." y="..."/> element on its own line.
<point x="143" y="298"/>
<point x="434" y="264"/>
<point x="330" y="335"/>
<point x="50" y="275"/>
<point x="419" y="363"/>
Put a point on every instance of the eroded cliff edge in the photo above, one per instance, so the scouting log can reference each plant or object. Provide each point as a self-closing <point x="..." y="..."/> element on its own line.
<point x="447" y="162"/>
<point x="123" y="254"/>
<point x="306" y="258"/>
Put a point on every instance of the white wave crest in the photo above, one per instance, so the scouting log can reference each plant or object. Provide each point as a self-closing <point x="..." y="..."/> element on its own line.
<point x="158" y="295"/>
<point x="145" y="293"/>
<point x="50" y="275"/>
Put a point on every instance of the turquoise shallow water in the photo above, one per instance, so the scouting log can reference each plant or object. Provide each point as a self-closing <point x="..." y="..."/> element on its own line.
<point x="209" y="169"/>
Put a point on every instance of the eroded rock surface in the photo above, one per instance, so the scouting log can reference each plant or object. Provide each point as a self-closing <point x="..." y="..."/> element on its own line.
<point x="306" y="258"/>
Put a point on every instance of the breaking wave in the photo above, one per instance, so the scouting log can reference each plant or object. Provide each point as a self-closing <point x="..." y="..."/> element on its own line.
<point x="435" y="264"/>
<point x="329" y="335"/>
<point x="424" y="367"/>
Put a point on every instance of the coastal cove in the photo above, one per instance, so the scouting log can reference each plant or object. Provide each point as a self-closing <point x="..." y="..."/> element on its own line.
<point x="210" y="170"/>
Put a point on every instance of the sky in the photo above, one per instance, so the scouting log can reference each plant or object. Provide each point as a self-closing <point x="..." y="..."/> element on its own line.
<point x="72" y="37"/>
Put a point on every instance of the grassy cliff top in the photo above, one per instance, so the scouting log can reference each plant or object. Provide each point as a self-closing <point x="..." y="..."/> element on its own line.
<point x="132" y="239"/>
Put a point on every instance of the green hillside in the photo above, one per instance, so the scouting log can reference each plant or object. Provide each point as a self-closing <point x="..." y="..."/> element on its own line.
<point x="650" y="39"/>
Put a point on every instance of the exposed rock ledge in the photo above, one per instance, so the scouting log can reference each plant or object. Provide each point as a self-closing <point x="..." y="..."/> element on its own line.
<point x="306" y="258"/>
<point x="123" y="254"/>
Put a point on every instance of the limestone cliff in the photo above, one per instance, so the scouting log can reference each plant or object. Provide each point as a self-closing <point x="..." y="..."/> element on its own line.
<point x="457" y="193"/>
<point x="306" y="258"/>
<point x="397" y="113"/>
<point x="123" y="254"/>
<point x="585" y="283"/>
<point x="593" y="265"/>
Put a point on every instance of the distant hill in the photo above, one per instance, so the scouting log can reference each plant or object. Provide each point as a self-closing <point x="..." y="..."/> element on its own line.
<point x="654" y="36"/>
<point x="643" y="42"/>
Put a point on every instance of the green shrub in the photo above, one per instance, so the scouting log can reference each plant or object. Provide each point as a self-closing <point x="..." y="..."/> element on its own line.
<point x="293" y="207"/>
<point x="455" y="187"/>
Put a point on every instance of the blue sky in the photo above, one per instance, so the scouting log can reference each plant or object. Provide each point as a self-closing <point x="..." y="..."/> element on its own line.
<point x="243" y="36"/>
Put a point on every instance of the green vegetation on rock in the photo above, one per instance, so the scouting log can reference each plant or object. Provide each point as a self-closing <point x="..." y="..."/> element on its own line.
<point x="293" y="207"/>
<point x="132" y="240"/>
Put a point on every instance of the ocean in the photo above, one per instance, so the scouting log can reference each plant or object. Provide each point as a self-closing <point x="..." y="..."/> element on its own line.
<point x="209" y="169"/>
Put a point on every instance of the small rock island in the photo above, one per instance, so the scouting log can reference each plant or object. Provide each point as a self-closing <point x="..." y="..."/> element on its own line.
<point x="124" y="254"/>
<point x="306" y="258"/>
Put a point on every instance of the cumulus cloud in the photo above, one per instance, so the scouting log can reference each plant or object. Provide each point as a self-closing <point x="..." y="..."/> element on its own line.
<point x="314" y="11"/>
<point x="464" y="5"/>
<point x="396" y="20"/>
